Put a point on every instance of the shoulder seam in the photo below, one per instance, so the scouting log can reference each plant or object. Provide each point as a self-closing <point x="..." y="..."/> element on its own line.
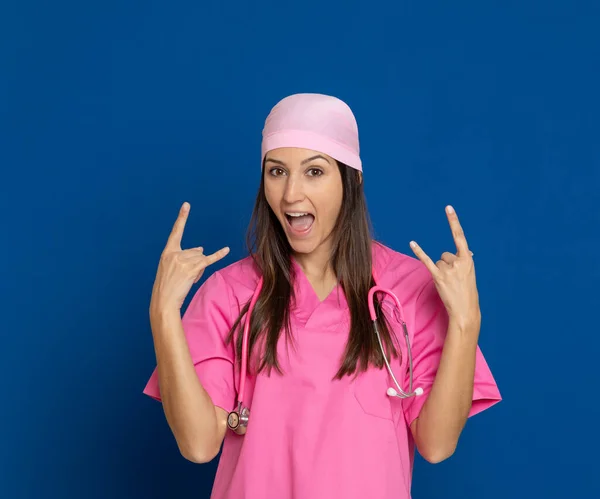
<point x="428" y="281"/>
<point x="228" y="287"/>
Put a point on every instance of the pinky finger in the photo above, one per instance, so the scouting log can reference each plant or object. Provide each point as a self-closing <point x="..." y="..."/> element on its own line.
<point x="421" y="255"/>
<point x="217" y="255"/>
<point x="207" y="260"/>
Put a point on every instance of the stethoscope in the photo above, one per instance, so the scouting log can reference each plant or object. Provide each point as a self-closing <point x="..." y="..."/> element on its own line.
<point x="237" y="420"/>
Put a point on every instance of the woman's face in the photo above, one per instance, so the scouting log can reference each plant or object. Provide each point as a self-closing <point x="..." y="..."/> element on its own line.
<point x="304" y="189"/>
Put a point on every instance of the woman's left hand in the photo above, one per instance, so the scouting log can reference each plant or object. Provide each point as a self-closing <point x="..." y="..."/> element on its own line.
<point x="454" y="277"/>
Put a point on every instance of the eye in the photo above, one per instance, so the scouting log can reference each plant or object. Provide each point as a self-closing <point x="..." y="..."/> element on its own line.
<point x="315" y="172"/>
<point x="276" y="171"/>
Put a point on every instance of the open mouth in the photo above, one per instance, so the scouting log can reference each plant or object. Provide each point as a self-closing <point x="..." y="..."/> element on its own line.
<point x="300" y="223"/>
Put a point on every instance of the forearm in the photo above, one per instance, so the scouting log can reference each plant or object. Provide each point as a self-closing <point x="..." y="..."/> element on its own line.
<point x="445" y="412"/>
<point x="188" y="408"/>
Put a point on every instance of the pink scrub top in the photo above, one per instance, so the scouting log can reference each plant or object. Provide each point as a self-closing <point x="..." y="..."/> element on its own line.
<point x="309" y="436"/>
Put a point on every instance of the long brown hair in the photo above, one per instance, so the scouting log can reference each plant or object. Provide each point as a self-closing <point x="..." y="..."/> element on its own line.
<point x="352" y="261"/>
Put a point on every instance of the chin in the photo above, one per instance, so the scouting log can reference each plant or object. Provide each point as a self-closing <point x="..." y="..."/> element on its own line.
<point x="303" y="247"/>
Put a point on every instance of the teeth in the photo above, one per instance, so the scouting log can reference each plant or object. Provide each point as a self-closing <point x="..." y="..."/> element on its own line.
<point x="296" y="214"/>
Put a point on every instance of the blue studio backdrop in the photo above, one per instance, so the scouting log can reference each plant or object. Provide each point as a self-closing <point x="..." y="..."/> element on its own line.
<point x="112" y="114"/>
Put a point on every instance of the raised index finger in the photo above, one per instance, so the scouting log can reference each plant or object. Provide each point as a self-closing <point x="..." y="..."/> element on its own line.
<point x="174" y="241"/>
<point x="457" y="232"/>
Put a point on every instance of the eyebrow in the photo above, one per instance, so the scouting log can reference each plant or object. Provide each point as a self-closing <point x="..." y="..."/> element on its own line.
<point x="307" y="160"/>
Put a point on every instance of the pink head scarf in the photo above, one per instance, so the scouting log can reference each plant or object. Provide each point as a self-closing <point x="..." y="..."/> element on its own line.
<point x="313" y="121"/>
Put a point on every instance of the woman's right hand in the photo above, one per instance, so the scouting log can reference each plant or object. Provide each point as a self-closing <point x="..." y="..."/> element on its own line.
<point x="179" y="269"/>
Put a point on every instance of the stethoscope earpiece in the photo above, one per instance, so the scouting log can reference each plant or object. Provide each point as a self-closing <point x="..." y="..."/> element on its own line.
<point x="393" y="393"/>
<point x="237" y="419"/>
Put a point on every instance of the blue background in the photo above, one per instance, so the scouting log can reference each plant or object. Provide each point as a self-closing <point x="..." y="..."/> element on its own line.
<point x="112" y="114"/>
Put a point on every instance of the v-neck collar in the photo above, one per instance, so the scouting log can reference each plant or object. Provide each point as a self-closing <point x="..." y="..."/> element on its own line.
<point x="308" y="304"/>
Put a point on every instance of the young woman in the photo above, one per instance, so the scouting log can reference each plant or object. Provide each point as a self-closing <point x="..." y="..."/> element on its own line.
<point x="278" y="358"/>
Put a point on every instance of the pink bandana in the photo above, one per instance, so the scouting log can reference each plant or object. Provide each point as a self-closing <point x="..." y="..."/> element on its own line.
<point x="313" y="121"/>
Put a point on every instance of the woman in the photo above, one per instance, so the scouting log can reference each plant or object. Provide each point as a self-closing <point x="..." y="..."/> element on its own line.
<point x="314" y="412"/>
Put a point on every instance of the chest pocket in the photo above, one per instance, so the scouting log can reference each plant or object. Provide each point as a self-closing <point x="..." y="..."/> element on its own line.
<point x="371" y="387"/>
<point x="370" y="390"/>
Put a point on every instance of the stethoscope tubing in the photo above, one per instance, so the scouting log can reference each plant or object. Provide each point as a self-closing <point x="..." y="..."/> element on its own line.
<point x="242" y="412"/>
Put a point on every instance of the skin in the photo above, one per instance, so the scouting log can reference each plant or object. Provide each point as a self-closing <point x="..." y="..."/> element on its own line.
<point x="198" y="426"/>
<point x="298" y="181"/>
<point x="303" y="180"/>
<point x="437" y="429"/>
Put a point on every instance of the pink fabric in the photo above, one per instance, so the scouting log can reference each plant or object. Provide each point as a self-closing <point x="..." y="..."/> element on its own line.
<point x="309" y="436"/>
<point x="313" y="121"/>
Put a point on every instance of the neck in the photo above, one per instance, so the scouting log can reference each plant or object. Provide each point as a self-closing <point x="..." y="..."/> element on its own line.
<point x="316" y="265"/>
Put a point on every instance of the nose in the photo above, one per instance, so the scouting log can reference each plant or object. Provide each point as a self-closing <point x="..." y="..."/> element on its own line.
<point x="293" y="191"/>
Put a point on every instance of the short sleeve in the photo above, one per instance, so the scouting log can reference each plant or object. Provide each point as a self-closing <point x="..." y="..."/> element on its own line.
<point x="430" y="325"/>
<point x="206" y="323"/>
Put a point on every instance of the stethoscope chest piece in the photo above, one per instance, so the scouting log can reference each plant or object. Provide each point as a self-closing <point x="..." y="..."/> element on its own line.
<point x="238" y="420"/>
